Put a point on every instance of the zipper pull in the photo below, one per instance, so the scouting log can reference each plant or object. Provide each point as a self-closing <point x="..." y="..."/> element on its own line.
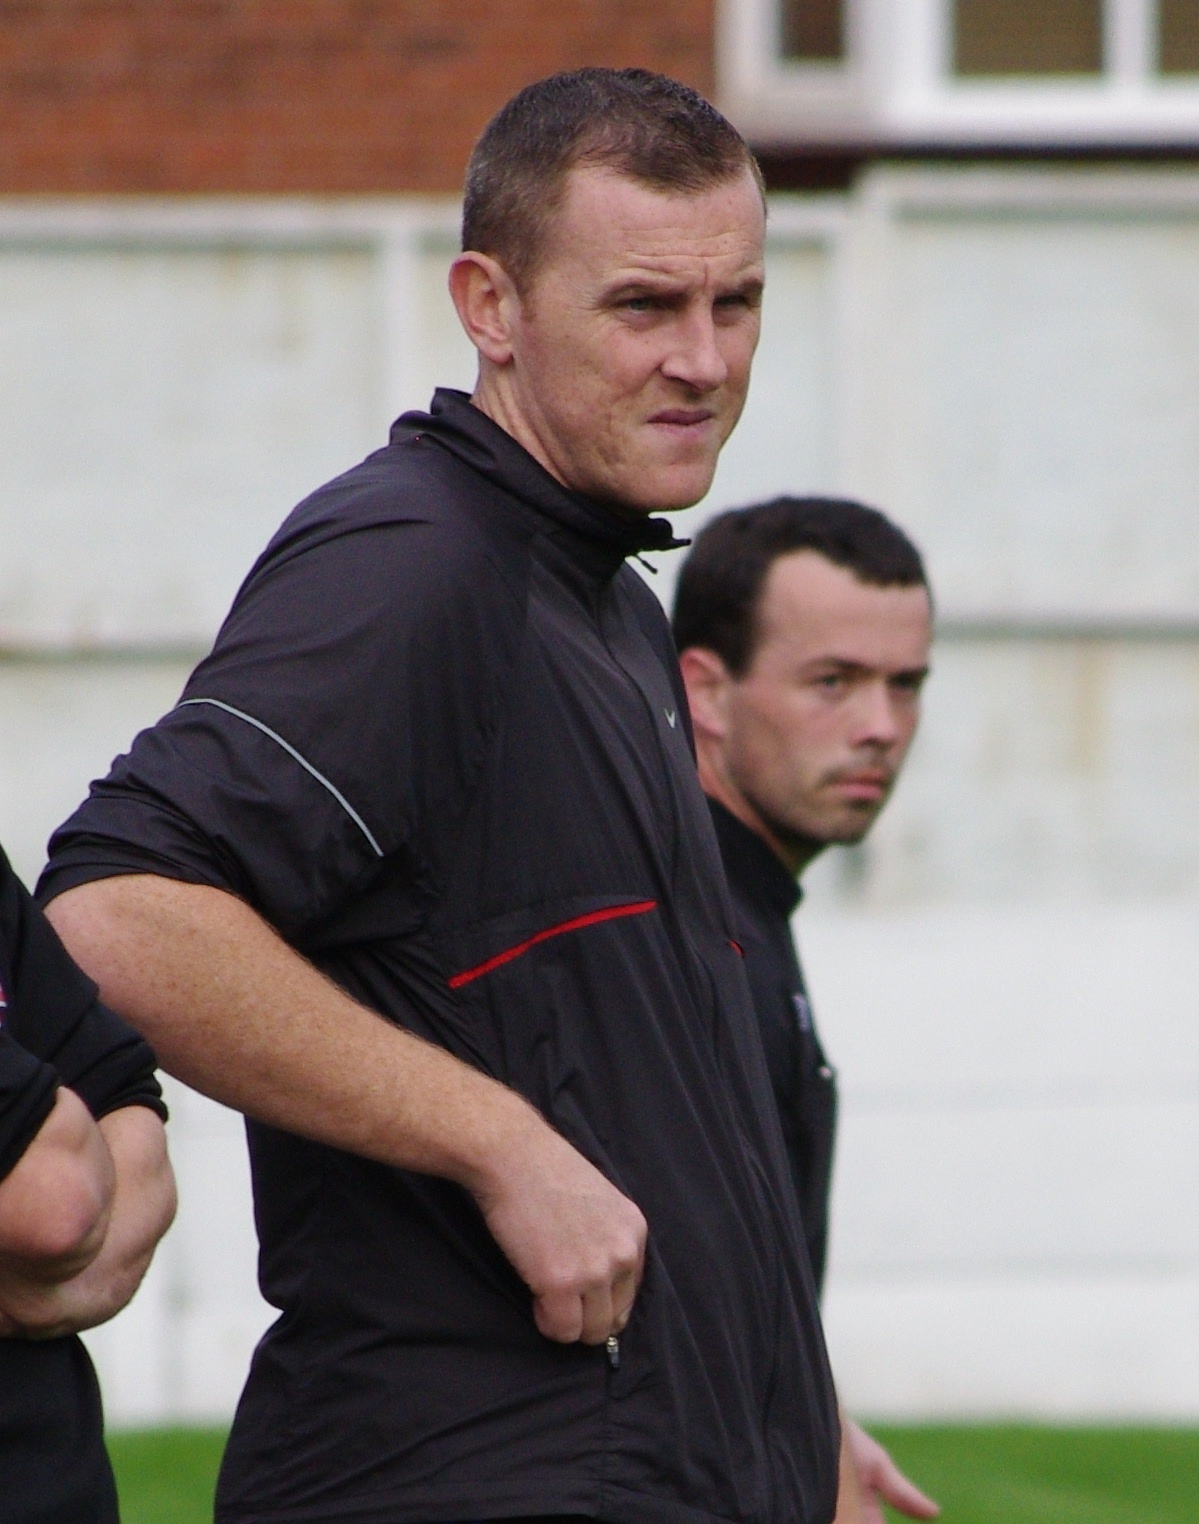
<point x="613" y="1348"/>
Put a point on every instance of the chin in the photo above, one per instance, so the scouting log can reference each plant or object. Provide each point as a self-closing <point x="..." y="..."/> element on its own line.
<point x="851" y="834"/>
<point x="671" y="490"/>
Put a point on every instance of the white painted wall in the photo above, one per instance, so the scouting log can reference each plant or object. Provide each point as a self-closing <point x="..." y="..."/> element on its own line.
<point x="1004" y="974"/>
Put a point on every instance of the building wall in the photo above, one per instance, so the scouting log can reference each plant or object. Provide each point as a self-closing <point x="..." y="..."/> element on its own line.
<point x="331" y="96"/>
<point x="1005" y="974"/>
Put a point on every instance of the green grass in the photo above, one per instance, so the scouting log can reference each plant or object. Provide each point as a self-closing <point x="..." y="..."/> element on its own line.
<point x="166" y="1476"/>
<point x="1025" y="1474"/>
<point x="992" y="1474"/>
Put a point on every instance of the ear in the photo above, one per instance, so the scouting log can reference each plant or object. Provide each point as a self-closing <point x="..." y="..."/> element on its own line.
<point x="709" y="685"/>
<point x="487" y="304"/>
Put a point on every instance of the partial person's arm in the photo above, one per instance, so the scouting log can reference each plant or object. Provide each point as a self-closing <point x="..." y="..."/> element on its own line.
<point x="851" y="1498"/>
<point x="236" y="1013"/>
<point x="875" y="1479"/>
<point x="55" y="1208"/>
<point x="39" y="1304"/>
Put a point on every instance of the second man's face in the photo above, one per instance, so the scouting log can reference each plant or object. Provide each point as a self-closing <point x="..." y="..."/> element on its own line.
<point x="819" y="725"/>
<point x="633" y="343"/>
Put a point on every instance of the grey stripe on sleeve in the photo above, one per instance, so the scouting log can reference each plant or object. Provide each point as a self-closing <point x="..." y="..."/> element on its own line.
<point x="303" y="761"/>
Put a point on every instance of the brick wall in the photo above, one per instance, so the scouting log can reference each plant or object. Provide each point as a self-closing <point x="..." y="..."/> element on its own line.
<point x="313" y="96"/>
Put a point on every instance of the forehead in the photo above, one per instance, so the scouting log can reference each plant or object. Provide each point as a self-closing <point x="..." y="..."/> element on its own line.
<point x="813" y="610"/>
<point x="608" y="224"/>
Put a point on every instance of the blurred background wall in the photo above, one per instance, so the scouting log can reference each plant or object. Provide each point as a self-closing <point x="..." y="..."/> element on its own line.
<point x="224" y="230"/>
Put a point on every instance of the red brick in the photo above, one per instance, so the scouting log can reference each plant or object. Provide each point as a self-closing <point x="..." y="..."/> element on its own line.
<point x="316" y="96"/>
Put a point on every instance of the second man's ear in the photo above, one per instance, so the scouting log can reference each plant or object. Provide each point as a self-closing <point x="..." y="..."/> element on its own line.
<point x="708" y="683"/>
<point x="487" y="304"/>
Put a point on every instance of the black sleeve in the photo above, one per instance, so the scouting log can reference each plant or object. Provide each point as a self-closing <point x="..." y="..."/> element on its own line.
<point x="54" y="1012"/>
<point x="27" y="1089"/>
<point x="343" y="705"/>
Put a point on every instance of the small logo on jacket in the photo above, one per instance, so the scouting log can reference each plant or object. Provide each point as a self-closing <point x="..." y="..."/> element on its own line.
<point x="671" y="717"/>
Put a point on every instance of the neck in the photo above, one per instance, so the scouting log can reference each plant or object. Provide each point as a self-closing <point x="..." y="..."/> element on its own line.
<point x="794" y="851"/>
<point x="493" y="396"/>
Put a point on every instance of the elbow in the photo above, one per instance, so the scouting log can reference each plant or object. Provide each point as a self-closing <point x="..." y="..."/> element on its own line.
<point x="66" y="1232"/>
<point x="56" y="1202"/>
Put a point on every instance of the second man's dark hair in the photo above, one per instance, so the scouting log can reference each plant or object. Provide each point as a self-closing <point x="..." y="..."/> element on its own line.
<point x="720" y="585"/>
<point x="644" y="125"/>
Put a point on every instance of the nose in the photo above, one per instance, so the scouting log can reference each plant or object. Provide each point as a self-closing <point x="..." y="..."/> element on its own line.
<point x="696" y="358"/>
<point x="878" y="719"/>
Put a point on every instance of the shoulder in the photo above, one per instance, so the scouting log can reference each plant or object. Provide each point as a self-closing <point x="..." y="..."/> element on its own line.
<point x="410" y="485"/>
<point x="408" y="546"/>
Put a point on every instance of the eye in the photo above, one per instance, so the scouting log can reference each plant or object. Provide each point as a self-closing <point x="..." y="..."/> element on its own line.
<point x="739" y="301"/>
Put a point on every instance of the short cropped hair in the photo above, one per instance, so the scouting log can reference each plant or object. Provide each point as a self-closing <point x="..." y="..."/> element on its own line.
<point x="653" y="129"/>
<point x="720" y="585"/>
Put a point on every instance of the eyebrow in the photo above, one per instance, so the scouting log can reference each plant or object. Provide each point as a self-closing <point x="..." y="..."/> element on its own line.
<point x="844" y="664"/>
<point x="658" y="283"/>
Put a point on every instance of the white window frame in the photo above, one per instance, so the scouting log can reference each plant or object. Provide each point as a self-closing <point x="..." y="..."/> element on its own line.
<point x="896" y="87"/>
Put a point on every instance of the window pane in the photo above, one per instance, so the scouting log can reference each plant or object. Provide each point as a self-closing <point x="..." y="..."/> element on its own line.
<point x="813" y="29"/>
<point x="1178" y="39"/>
<point x="1028" y="37"/>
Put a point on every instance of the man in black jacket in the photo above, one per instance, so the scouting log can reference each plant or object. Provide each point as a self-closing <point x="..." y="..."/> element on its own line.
<point x="419" y="875"/>
<point x="86" y="1191"/>
<point x="803" y="629"/>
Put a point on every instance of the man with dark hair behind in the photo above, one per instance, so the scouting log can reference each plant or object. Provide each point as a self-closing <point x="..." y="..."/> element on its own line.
<point x="419" y="875"/>
<point x="803" y="630"/>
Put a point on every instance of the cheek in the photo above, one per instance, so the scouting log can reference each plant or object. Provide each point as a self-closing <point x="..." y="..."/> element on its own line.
<point x="777" y="737"/>
<point x="907" y="721"/>
<point x="630" y="361"/>
<point x="738" y="350"/>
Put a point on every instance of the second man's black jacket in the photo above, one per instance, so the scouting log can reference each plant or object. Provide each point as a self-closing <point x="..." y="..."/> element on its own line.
<point x="441" y="746"/>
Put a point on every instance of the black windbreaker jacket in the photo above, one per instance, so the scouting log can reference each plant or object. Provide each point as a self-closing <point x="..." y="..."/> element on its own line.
<point x="441" y="745"/>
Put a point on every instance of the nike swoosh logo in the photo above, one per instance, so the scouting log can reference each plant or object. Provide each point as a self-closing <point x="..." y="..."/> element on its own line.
<point x="670" y="717"/>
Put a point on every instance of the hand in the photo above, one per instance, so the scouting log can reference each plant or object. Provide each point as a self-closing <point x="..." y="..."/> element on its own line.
<point x="881" y="1481"/>
<point x="574" y="1239"/>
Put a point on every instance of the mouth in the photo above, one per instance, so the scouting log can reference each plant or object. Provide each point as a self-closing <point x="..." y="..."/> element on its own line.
<point x="867" y="787"/>
<point x="683" y="421"/>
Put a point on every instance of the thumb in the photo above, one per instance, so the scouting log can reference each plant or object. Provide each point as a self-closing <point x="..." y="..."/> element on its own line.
<point x="904" y="1496"/>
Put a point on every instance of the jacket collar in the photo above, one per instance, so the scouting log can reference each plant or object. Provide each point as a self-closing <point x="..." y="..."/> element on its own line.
<point x="753" y="870"/>
<point x="459" y="427"/>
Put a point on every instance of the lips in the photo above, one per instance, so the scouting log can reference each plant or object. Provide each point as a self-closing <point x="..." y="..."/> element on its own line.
<point x="866" y="785"/>
<point x="682" y="418"/>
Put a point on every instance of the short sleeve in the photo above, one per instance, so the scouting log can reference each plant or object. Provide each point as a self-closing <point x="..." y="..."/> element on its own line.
<point x="27" y="1090"/>
<point x="343" y="709"/>
<point x="52" y="1011"/>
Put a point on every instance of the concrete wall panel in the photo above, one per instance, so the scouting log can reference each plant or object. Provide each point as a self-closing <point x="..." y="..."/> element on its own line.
<point x="1028" y="367"/>
<point x="163" y="409"/>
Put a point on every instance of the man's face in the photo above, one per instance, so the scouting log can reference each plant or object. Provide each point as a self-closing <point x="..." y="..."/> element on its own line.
<point x="817" y="728"/>
<point x="631" y="347"/>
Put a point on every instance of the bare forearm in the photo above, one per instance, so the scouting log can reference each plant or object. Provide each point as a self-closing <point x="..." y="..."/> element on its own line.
<point x="233" y="1011"/>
